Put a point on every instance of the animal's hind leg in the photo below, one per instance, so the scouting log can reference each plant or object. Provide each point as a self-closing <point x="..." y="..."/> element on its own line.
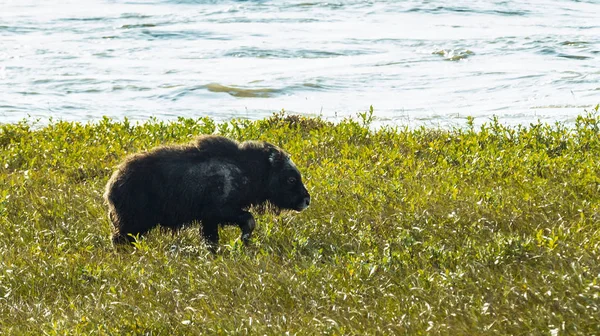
<point x="210" y="232"/>
<point x="127" y="236"/>
<point x="126" y="231"/>
<point x="118" y="236"/>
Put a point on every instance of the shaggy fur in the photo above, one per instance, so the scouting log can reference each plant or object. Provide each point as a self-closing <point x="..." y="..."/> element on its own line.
<point x="212" y="180"/>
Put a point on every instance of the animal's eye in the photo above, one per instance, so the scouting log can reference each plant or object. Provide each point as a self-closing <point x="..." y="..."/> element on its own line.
<point x="291" y="180"/>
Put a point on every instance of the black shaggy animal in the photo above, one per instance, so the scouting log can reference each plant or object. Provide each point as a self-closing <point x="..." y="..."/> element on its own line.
<point x="212" y="180"/>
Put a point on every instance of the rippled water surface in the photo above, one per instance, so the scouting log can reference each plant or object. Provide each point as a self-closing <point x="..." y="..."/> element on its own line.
<point x="416" y="62"/>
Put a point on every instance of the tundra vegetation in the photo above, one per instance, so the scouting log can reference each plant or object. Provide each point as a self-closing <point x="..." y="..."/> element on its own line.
<point x="470" y="230"/>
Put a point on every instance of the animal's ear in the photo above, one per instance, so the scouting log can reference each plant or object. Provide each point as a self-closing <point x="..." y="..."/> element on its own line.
<point x="276" y="157"/>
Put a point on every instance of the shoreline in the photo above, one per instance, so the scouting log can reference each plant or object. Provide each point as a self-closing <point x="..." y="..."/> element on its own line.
<point x="443" y="122"/>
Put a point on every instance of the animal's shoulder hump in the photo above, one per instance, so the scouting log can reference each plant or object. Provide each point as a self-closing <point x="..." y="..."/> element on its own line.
<point x="216" y="145"/>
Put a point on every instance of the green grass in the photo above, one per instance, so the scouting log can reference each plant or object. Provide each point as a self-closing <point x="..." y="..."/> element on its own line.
<point x="491" y="230"/>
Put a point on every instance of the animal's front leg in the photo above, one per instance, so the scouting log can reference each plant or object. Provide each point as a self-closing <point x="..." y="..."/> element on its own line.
<point x="210" y="232"/>
<point x="247" y="224"/>
<point x="243" y="219"/>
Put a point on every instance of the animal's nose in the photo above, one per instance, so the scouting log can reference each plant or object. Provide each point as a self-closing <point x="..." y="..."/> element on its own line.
<point x="307" y="201"/>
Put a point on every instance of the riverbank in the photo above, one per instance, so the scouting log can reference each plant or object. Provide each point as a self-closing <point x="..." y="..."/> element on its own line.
<point x="489" y="230"/>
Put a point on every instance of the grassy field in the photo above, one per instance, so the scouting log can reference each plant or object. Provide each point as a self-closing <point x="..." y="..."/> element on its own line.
<point x="491" y="230"/>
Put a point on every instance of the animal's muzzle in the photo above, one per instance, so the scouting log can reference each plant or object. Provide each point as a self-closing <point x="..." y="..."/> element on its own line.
<point x="305" y="202"/>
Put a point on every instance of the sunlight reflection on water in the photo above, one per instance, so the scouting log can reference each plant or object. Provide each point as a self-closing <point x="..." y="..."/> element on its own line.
<point x="416" y="62"/>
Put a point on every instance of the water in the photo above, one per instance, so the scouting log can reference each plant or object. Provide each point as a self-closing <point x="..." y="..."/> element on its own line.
<point x="416" y="62"/>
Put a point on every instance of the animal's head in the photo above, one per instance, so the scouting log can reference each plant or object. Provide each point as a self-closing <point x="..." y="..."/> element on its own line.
<point x="285" y="187"/>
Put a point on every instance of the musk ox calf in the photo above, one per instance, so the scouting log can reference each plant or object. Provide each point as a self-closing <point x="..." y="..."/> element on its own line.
<point x="212" y="180"/>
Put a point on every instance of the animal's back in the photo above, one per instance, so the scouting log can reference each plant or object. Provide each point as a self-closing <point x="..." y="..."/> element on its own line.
<point x="171" y="185"/>
<point x="160" y="163"/>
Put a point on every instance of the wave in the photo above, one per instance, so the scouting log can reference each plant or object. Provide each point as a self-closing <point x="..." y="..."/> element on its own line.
<point x="242" y="92"/>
